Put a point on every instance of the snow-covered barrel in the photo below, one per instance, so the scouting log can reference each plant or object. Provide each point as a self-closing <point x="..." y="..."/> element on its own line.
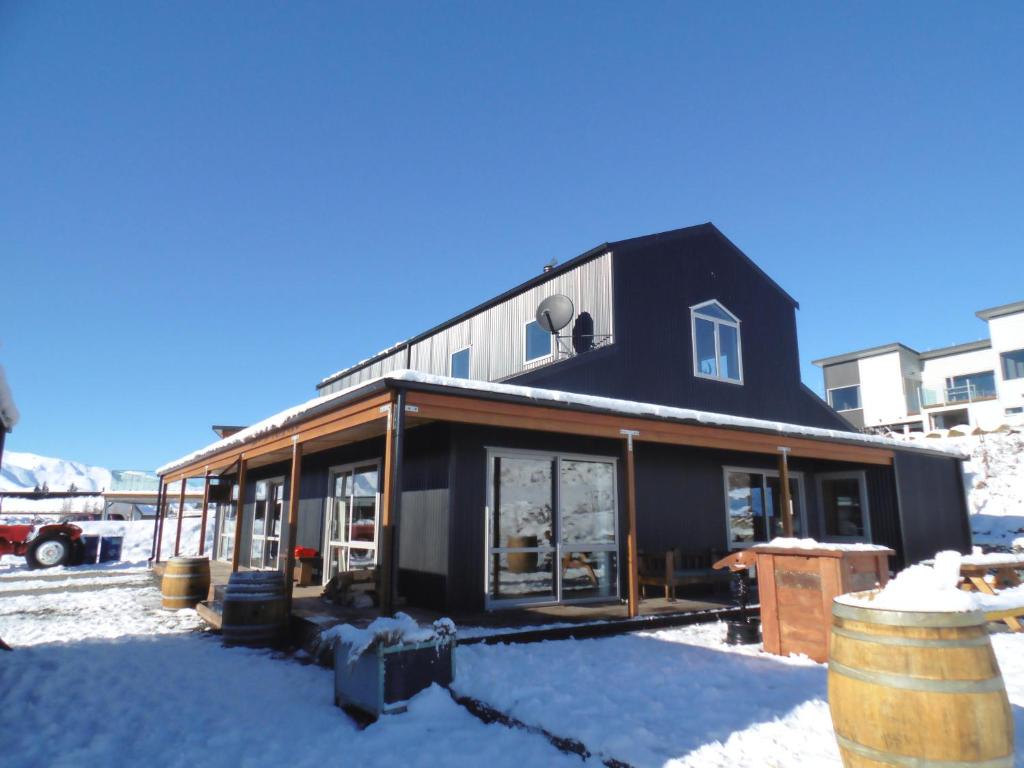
<point x="254" y="609"/>
<point x="911" y="687"/>
<point x="186" y="581"/>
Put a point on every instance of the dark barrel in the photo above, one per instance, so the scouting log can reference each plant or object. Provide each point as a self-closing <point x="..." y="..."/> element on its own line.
<point x="186" y="581"/>
<point x="254" y="609"/>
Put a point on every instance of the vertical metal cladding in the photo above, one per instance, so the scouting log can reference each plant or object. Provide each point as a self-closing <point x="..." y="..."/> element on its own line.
<point x="496" y="336"/>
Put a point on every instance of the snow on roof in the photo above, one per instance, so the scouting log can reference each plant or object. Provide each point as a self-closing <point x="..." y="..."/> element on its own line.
<point x="8" y="410"/>
<point x="355" y="366"/>
<point x="607" y="404"/>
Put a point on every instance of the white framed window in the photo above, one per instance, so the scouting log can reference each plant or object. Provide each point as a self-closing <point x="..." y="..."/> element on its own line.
<point x="844" y="506"/>
<point x="458" y="364"/>
<point x="536" y="342"/>
<point x="753" y="505"/>
<point x="845" y="398"/>
<point x="717" y="351"/>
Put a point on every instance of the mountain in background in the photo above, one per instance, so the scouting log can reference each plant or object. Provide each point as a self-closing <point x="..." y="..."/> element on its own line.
<point x="25" y="471"/>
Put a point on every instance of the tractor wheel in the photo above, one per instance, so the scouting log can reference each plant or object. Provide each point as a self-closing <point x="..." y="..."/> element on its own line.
<point x="48" y="551"/>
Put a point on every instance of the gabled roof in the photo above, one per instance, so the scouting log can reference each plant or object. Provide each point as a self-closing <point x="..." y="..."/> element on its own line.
<point x="543" y="277"/>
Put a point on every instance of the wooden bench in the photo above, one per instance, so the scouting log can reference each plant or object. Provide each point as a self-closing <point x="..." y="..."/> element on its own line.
<point x="679" y="568"/>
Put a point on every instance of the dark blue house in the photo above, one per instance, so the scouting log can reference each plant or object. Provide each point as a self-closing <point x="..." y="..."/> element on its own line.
<point x="490" y="463"/>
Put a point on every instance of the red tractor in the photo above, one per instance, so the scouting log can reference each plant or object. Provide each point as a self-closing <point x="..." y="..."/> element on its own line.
<point x="42" y="546"/>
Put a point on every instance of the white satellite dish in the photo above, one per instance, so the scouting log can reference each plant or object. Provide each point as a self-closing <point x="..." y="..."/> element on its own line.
<point x="554" y="313"/>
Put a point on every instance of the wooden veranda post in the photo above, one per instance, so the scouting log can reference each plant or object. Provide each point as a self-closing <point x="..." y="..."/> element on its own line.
<point x="161" y="515"/>
<point x="202" y="520"/>
<point x="293" y="521"/>
<point x="181" y="516"/>
<point x="392" y="497"/>
<point x="155" y="551"/>
<point x="633" y="599"/>
<point x="787" y="501"/>
<point x="239" y="514"/>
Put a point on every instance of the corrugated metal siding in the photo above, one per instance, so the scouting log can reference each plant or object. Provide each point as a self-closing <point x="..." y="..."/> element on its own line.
<point x="393" y="362"/>
<point x="496" y="336"/>
<point x="933" y="509"/>
<point x="884" y="511"/>
<point x="656" y="282"/>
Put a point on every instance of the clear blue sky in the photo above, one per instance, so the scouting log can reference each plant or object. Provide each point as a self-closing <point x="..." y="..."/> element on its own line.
<point x="206" y="207"/>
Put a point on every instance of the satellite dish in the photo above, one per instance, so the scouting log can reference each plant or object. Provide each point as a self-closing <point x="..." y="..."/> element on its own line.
<point x="554" y="313"/>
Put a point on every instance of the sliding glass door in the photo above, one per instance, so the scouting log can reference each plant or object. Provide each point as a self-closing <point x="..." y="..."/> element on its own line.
<point x="551" y="528"/>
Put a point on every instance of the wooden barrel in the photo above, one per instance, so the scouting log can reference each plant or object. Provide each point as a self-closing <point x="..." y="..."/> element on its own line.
<point x="186" y="581"/>
<point x="916" y="688"/>
<point x="522" y="562"/>
<point x="254" y="609"/>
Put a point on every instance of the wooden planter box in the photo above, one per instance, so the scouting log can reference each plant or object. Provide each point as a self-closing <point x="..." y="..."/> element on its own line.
<point x="796" y="588"/>
<point x="384" y="678"/>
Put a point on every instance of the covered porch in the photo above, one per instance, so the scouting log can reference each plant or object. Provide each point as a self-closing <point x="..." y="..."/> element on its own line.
<point x="439" y="440"/>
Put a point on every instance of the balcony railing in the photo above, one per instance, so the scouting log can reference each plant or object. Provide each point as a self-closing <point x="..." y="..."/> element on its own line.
<point x="934" y="397"/>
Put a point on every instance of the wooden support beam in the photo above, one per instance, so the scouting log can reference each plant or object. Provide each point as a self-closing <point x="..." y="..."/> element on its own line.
<point x="160" y="490"/>
<point x="632" y="558"/>
<point x="392" y="500"/>
<point x="239" y="514"/>
<point x="295" y="487"/>
<point x="202" y="520"/>
<point x="786" y="497"/>
<point x="497" y="413"/>
<point x="161" y="514"/>
<point x="181" y="517"/>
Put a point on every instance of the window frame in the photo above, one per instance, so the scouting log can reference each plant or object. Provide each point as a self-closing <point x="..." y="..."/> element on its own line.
<point x="860" y="403"/>
<point x="1003" y="360"/>
<point x="527" y="360"/>
<point x="469" y="361"/>
<point x="865" y="504"/>
<point x="734" y="323"/>
<point x="556" y="548"/>
<point x="766" y="473"/>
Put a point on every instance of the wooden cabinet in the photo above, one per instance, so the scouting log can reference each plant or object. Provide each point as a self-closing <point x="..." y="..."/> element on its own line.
<point x="796" y="588"/>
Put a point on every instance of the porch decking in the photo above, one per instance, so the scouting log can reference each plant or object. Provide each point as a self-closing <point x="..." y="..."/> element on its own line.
<point x="526" y="624"/>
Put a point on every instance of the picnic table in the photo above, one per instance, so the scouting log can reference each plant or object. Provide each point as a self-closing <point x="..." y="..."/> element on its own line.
<point x="988" y="574"/>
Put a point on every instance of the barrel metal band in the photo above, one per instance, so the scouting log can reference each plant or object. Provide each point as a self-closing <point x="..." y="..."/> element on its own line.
<point x="906" y="761"/>
<point x="180" y="576"/>
<point x="913" y="642"/>
<point x="905" y="682"/>
<point x="908" y="618"/>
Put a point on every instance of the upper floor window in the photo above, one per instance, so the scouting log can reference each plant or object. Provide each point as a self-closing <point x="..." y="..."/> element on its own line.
<point x="1013" y="364"/>
<point x="845" y="398"/>
<point x="459" y="366"/>
<point x="716" y="343"/>
<point x="538" y="342"/>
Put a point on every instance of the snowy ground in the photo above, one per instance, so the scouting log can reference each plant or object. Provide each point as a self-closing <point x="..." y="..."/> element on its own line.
<point x="104" y="677"/>
<point x="136" y="686"/>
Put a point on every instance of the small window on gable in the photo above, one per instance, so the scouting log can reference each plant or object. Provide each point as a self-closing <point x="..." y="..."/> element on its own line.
<point x="538" y="342"/>
<point x="717" y="352"/>
<point x="459" y="368"/>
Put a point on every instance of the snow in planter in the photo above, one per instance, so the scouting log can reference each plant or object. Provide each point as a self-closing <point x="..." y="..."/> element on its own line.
<point x="385" y="631"/>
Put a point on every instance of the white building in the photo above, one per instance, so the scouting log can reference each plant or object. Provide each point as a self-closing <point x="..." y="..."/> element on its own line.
<point x="979" y="384"/>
